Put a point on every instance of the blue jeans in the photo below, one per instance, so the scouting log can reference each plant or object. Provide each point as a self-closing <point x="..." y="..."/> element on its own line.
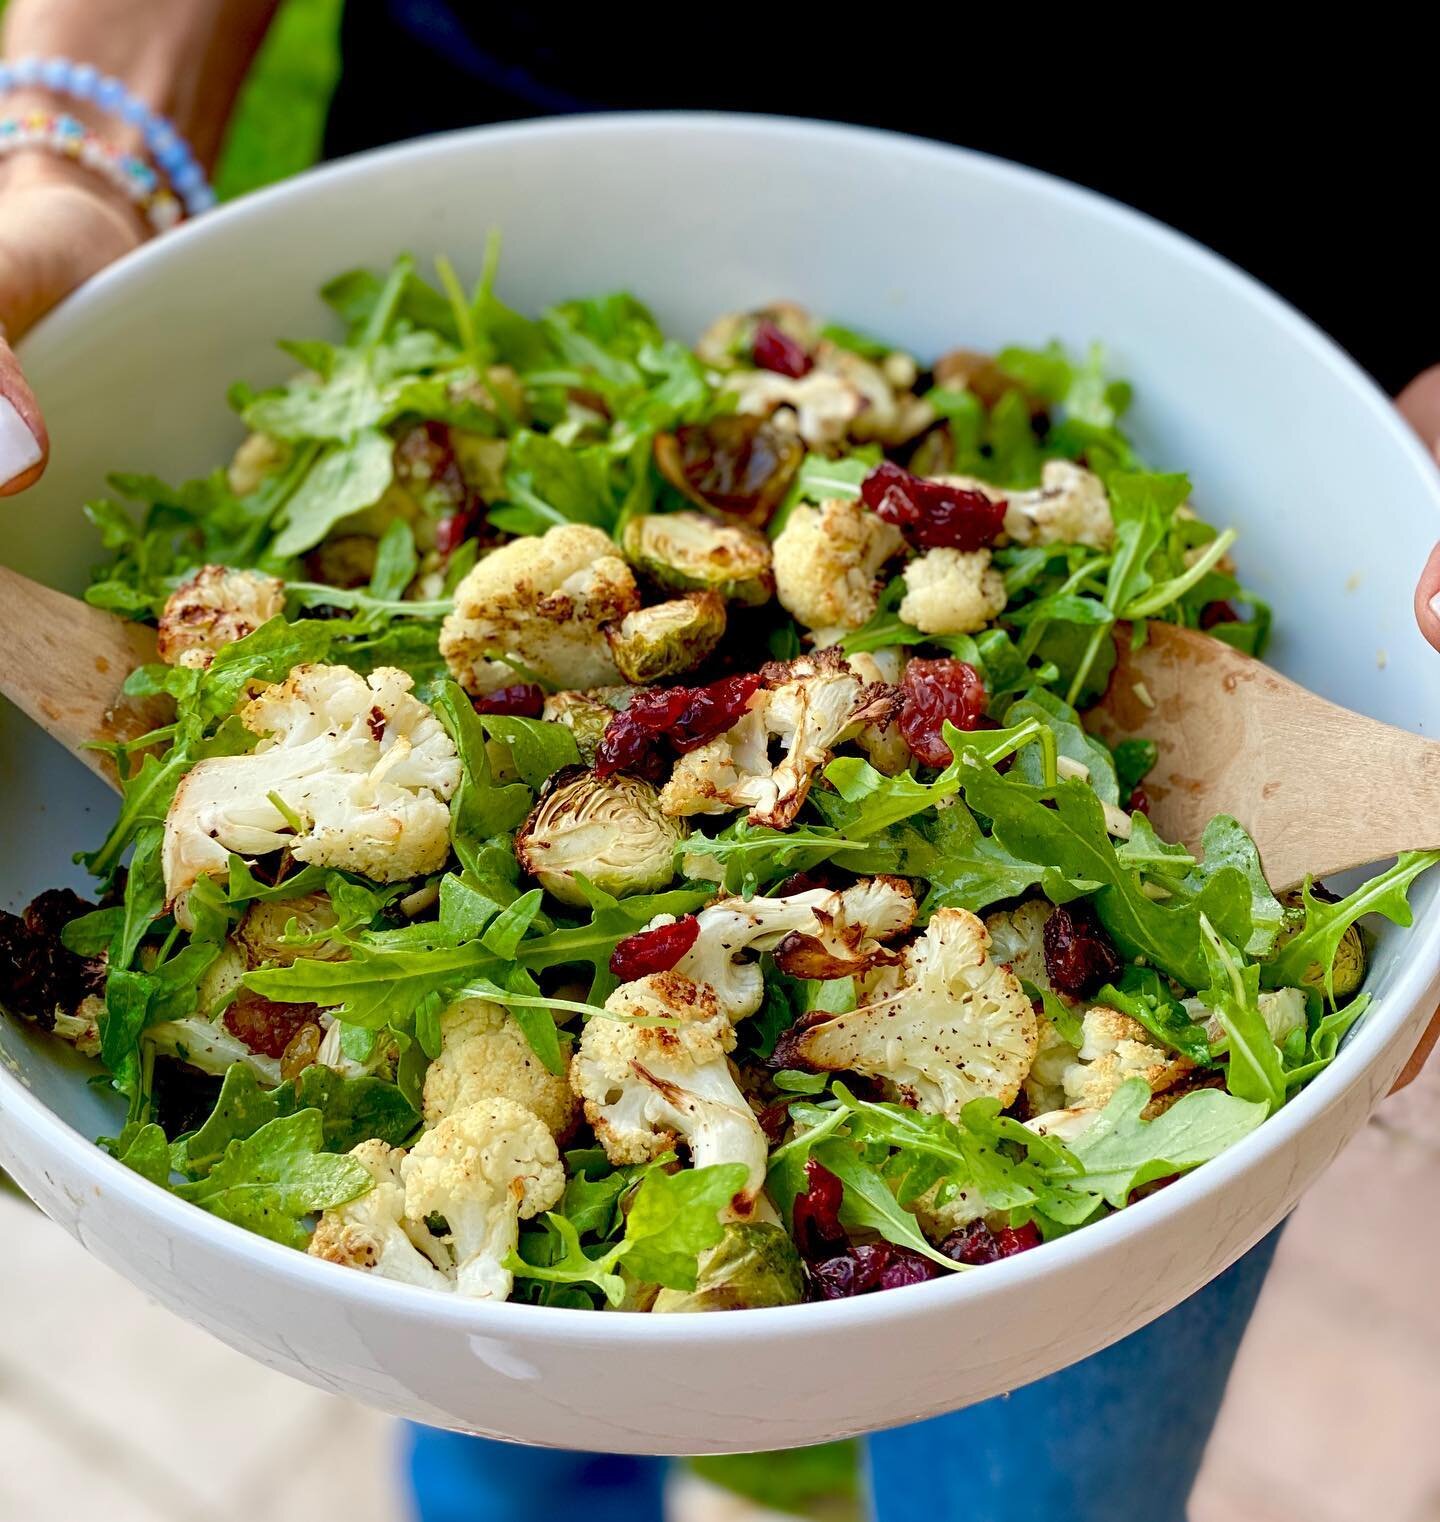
<point x="1119" y="1435"/>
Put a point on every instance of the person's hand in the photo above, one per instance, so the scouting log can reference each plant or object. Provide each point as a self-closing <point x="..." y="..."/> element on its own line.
<point x="1419" y="402"/>
<point x="57" y="228"/>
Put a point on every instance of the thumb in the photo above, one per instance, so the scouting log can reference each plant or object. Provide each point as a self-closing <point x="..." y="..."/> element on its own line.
<point x="24" y="444"/>
<point x="1419" y="404"/>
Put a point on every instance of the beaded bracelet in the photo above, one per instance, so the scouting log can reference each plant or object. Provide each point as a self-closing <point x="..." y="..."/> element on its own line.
<point x="69" y="138"/>
<point x="83" y="81"/>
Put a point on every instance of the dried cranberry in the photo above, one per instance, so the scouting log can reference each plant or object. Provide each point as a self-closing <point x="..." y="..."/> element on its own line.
<point x="37" y="974"/>
<point x="1078" y="954"/>
<point x="774" y="349"/>
<point x="657" y="950"/>
<point x="712" y="710"/>
<point x="264" y="1026"/>
<point x="931" y="692"/>
<point x="816" y="1212"/>
<point x="425" y="463"/>
<point x="1217" y="613"/>
<point x="1013" y="1239"/>
<point x="685" y="716"/>
<point x="1139" y="800"/>
<point x="871" y="1267"/>
<point x="628" y="746"/>
<point x="524" y="701"/>
<point x="454" y="529"/>
<point x="931" y="514"/>
<point x="976" y="1244"/>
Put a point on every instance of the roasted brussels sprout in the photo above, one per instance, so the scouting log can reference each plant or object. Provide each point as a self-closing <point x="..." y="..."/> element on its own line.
<point x="261" y="931"/>
<point x="609" y="830"/>
<point x="754" y="1264"/>
<point x="669" y="638"/>
<point x="584" y="714"/>
<point x="740" y="465"/>
<point x="1350" y="956"/>
<point x="691" y="552"/>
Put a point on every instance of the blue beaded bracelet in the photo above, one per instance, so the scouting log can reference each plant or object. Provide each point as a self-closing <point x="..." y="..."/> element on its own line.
<point x="83" y="81"/>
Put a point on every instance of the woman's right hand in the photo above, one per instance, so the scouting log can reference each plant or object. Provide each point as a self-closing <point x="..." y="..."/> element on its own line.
<point x="58" y="226"/>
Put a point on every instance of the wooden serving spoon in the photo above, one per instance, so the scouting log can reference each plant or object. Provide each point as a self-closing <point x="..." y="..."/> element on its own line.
<point x="64" y="665"/>
<point x="1321" y="789"/>
<point x="1228" y="728"/>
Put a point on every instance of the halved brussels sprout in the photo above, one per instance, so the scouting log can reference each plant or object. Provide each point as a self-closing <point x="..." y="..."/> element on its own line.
<point x="740" y="465"/>
<point x="262" y="929"/>
<point x="754" y="1264"/>
<point x="690" y="552"/>
<point x="584" y="714"/>
<point x="669" y="638"/>
<point x="610" y="830"/>
<point x="1350" y="958"/>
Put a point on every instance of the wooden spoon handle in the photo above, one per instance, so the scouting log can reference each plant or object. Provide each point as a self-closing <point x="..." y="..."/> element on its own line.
<point x="65" y="663"/>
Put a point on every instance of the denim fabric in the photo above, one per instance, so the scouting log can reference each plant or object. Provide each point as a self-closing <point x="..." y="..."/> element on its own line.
<point x="1120" y="1435"/>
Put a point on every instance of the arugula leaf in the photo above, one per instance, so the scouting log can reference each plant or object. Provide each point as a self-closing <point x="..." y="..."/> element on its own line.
<point x="1309" y="955"/>
<point x="270" y="1180"/>
<point x="351" y="1110"/>
<point x="1255" y="1070"/>
<point x="1119" y="1152"/>
<point x="538" y="748"/>
<point x="673" y="1219"/>
<point x="344" y="479"/>
<point x="480" y="808"/>
<point x="396" y="561"/>
<point x="1146" y="997"/>
<point x="869" y="1205"/>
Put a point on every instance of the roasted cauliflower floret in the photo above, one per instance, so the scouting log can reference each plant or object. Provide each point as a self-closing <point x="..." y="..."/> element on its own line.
<point x="1282" y="1009"/>
<point x="1070" y="506"/>
<point x="352" y="772"/>
<point x="947" y="1026"/>
<point x="804" y="708"/>
<point x="667" y="639"/>
<point x="540" y="605"/>
<point x="1017" y="941"/>
<point x="881" y="740"/>
<point x="610" y="830"/>
<point x="828" y="560"/>
<point x="692" y="552"/>
<point x="257" y="459"/>
<point x="371" y="1232"/>
<point x="484" y="1055"/>
<point x="1115" y="1048"/>
<point x="815" y="934"/>
<point x="951" y="591"/>
<point x="729" y="340"/>
<point x="646" y="1085"/>
<point x="483" y="1169"/>
<point x="213" y="608"/>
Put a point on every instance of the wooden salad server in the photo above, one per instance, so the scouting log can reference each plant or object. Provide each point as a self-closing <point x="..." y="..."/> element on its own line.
<point x="64" y="663"/>
<point x="1321" y="789"/>
<point x="1230" y="731"/>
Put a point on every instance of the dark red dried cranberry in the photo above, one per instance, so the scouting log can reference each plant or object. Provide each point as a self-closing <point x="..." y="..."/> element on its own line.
<point x="1218" y="613"/>
<point x="264" y="1026"/>
<point x="1013" y="1239"/>
<point x="525" y="700"/>
<point x="425" y="463"/>
<point x="871" y="1267"/>
<point x="816" y="1213"/>
<point x="931" y="692"/>
<point x="930" y="514"/>
<point x="657" y="950"/>
<point x="1139" y="800"/>
<point x="774" y="349"/>
<point x="454" y="529"/>
<point x="1079" y="956"/>
<point x="712" y="710"/>
<point x="37" y="974"/>
<point x="976" y="1244"/>
<point x="684" y="716"/>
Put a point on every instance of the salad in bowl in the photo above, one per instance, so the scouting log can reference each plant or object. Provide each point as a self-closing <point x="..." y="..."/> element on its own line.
<point x="628" y="836"/>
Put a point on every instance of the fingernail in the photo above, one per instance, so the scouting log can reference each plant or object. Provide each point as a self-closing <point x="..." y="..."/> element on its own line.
<point x="19" y="448"/>
<point x="1435" y="605"/>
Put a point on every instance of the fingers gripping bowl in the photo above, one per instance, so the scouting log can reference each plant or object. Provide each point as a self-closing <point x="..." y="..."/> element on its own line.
<point x="1212" y="354"/>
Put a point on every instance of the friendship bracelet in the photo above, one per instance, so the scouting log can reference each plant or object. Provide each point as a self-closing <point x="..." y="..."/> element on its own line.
<point x="69" y="138"/>
<point x="83" y="81"/>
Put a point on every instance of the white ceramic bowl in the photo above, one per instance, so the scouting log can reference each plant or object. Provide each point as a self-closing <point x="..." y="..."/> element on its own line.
<point x="701" y="215"/>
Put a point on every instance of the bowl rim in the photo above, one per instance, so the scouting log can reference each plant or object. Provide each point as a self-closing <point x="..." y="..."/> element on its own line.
<point x="1414" y="981"/>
